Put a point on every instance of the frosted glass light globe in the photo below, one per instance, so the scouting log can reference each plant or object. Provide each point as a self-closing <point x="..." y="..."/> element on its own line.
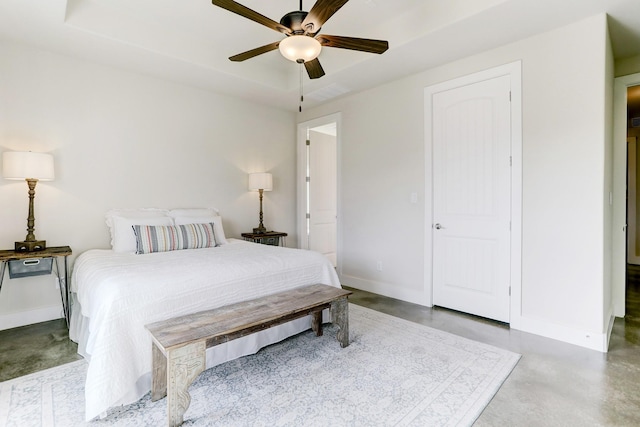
<point x="300" y="48"/>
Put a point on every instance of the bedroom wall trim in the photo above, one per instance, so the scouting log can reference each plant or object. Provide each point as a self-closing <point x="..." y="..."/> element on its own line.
<point x="385" y="289"/>
<point x="44" y="314"/>
<point x="592" y="340"/>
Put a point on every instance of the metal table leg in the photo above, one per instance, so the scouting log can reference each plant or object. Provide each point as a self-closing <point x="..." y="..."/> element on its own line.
<point x="4" y="265"/>
<point x="66" y="287"/>
<point x="62" y="285"/>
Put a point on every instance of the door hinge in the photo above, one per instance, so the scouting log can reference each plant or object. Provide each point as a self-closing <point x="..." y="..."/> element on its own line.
<point x="509" y="290"/>
<point x="509" y="96"/>
<point x="308" y="179"/>
<point x="308" y="142"/>
<point x="510" y="161"/>
<point x="308" y="216"/>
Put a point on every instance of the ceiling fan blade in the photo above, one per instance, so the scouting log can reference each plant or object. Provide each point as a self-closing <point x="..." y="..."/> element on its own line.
<point x="320" y="13"/>
<point x="353" y="43"/>
<point x="314" y="69"/>
<point x="244" y="11"/>
<point x="254" y="52"/>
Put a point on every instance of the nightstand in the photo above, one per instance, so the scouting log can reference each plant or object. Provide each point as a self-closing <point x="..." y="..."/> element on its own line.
<point x="273" y="238"/>
<point x="30" y="265"/>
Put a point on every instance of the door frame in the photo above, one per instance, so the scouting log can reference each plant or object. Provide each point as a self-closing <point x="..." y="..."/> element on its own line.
<point x="619" y="220"/>
<point x="514" y="70"/>
<point x="301" y="210"/>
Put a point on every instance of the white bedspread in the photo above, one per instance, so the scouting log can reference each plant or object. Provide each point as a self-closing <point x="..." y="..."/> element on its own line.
<point x="117" y="294"/>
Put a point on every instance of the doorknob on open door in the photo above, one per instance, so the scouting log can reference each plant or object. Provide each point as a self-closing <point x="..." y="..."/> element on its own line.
<point x="438" y="226"/>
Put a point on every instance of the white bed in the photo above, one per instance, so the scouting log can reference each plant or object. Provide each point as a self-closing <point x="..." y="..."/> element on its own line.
<point x="117" y="293"/>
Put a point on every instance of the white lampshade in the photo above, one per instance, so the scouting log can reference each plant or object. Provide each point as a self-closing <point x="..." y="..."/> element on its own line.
<point x="260" y="181"/>
<point x="27" y="165"/>
<point x="300" y="48"/>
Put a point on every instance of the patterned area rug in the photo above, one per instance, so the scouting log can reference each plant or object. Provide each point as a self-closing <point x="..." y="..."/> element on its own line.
<point x="394" y="373"/>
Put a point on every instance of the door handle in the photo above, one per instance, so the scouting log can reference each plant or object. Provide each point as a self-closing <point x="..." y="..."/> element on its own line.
<point x="438" y="226"/>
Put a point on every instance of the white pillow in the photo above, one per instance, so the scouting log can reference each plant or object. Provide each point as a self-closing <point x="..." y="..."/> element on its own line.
<point x="193" y="212"/>
<point x="199" y="216"/>
<point x="121" y="222"/>
<point x="134" y="213"/>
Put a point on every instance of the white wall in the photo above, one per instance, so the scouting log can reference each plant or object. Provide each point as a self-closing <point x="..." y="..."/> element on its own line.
<point x="607" y="112"/>
<point x="125" y="140"/>
<point x="564" y="98"/>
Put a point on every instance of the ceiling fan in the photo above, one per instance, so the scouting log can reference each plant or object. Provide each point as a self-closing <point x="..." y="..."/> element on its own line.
<point x="302" y="44"/>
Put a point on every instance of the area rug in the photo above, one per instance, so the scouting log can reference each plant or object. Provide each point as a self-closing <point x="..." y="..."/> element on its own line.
<point x="394" y="373"/>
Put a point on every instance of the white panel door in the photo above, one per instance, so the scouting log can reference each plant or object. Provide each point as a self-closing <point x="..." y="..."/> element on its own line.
<point x="471" y="198"/>
<point x="323" y="182"/>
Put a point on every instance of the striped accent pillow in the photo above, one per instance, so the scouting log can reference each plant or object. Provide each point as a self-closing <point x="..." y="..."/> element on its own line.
<point x="163" y="238"/>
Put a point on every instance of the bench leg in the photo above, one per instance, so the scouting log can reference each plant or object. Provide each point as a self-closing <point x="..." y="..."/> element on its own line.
<point x="316" y="322"/>
<point x="340" y="316"/>
<point x="158" y="373"/>
<point x="184" y="365"/>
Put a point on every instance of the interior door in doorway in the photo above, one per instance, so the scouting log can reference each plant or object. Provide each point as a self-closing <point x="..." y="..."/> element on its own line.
<point x="471" y="198"/>
<point x="322" y="193"/>
<point x="633" y="239"/>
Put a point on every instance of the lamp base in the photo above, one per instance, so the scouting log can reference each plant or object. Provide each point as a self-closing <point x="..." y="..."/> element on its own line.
<point x="259" y="230"/>
<point x="37" y="245"/>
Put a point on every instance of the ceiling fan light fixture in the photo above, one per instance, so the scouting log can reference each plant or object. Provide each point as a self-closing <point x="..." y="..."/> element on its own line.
<point x="300" y="48"/>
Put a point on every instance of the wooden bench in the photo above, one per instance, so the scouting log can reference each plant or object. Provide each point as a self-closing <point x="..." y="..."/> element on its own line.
<point x="179" y="344"/>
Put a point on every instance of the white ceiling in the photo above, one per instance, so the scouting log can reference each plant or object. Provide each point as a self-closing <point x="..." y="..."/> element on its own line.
<point x="190" y="40"/>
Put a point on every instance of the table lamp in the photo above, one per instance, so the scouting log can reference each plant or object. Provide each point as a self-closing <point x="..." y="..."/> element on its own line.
<point x="32" y="167"/>
<point x="260" y="182"/>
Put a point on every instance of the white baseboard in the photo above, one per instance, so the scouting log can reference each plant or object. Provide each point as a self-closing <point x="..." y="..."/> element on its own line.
<point x="22" y="318"/>
<point x="590" y="340"/>
<point x="619" y="310"/>
<point x="385" y="289"/>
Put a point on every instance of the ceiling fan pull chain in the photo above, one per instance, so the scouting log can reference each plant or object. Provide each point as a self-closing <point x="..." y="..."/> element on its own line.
<point x="301" y="90"/>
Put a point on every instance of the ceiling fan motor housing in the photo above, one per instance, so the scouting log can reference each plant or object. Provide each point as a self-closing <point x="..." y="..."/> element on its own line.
<point x="293" y="20"/>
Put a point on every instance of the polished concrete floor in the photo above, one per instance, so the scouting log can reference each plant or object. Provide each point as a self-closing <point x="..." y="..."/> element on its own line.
<point x="554" y="384"/>
<point x="35" y="347"/>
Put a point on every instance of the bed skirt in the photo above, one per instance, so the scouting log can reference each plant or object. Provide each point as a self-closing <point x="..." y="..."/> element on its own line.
<point x="221" y="353"/>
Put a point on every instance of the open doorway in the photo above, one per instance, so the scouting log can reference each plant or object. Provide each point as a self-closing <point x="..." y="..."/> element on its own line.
<point x="633" y="175"/>
<point x="620" y="216"/>
<point x="632" y="288"/>
<point x="318" y="186"/>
